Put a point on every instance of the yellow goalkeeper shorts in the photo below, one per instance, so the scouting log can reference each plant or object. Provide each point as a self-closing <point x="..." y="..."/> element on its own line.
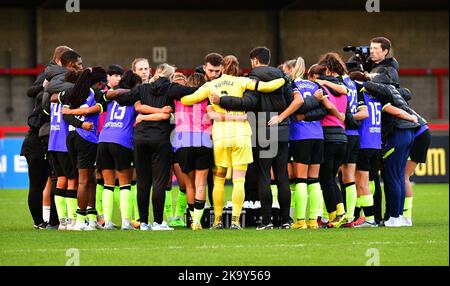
<point x="233" y="151"/>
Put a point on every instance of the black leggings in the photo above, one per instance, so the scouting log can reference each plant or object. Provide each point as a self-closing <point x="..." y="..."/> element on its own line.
<point x="38" y="172"/>
<point x="251" y="183"/>
<point x="334" y="155"/>
<point x="387" y="195"/>
<point x="280" y="171"/>
<point x="153" y="163"/>
<point x="378" y="195"/>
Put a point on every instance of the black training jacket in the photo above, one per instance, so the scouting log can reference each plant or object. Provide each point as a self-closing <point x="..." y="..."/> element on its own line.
<point x="387" y="72"/>
<point x="31" y="143"/>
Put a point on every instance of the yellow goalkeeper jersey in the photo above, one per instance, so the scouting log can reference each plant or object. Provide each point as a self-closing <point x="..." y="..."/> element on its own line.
<point x="232" y="86"/>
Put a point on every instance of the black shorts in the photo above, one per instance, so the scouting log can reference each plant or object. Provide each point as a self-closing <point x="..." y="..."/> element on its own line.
<point x="351" y="155"/>
<point x="194" y="158"/>
<point x="368" y="159"/>
<point x="62" y="164"/>
<point x="82" y="152"/>
<point x="113" y="156"/>
<point x="419" y="149"/>
<point x="307" y="151"/>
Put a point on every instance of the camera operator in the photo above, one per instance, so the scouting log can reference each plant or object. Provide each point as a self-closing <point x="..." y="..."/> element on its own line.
<point x="382" y="69"/>
<point x="379" y="68"/>
<point x="374" y="61"/>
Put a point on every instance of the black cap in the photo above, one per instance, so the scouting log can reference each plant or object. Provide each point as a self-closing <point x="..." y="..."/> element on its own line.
<point x="115" y="69"/>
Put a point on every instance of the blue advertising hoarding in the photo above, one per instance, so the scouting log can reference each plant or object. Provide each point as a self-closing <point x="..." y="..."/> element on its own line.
<point x="13" y="167"/>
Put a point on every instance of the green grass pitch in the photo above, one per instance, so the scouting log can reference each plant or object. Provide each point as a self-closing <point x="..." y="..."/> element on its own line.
<point x="426" y="243"/>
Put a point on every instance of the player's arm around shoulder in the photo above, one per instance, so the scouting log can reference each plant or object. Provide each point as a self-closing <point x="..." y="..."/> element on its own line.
<point x="201" y="94"/>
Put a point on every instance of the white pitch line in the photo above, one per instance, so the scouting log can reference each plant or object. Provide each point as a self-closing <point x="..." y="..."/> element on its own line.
<point x="224" y="246"/>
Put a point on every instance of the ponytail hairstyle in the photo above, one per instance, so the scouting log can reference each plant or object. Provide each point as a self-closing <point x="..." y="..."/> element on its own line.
<point x="165" y="70"/>
<point x="196" y="80"/>
<point x="334" y="63"/>
<point x="129" y="80"/>
<point x="299" y="68"/>
<point x="80" y="92"/>
<point x="231" y="65"/>
<point x="179" y="78"/>
<point x="288" y="65"/>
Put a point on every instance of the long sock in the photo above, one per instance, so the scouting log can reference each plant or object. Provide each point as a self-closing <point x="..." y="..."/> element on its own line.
<point x="358" y="207"/>
<point x="191" y="211"/>
<point x="292" y="212"/>
<point x="323" y="209"/>
<point x="46" y="213"/>
<point x="218" y="198"/>
<point x="81" y="216"/>
<point x="331" y="216"/>
<point x="125" y="202"/>
<point x="168" y="211"/>
<point x="407" y="208"/>
<point x="367" y="205"/>
<point x="372" y="187"/>
<point x="340" y="210"/>
<point x="237" y="198"/>
<point x="131" y="203"/>
<point x="99" y="196"/>
<point x="301" y="198"/>
<point x="314" y="198"/>
<point x="91" y="214"/>
<point x="181" y="203"/>
<point x="291" y="185"/>
<point x="72" y="204"/>
<point x="60" y="202"/>
<point x="199" y="206"/>
<point x="134" y="205"/>
<point x="108" y="202"/>
<point x="274" y="190"/>
<point x="372" y="191"/>
<point x="117" y="194"/>
<point x="350" y="198"/>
